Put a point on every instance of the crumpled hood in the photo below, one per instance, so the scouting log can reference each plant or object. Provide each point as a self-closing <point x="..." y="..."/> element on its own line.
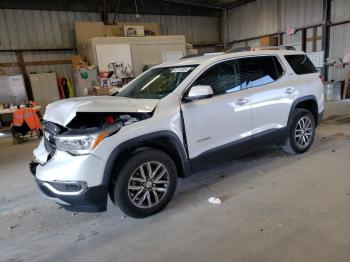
<point x="63" y="111"/>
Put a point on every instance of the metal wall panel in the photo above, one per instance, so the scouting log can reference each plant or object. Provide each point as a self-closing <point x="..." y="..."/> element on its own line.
<point x="260" y="17"/>
<point x="253" y="19"/>
<point x="197" y="29"/>
<point x="339" y="41"/>
<point x="340" y="10"/>
<point x="25" y="29"/>
<point x="34" y="29"/>
<point x="20" y="29"/>
<point x="300" y="13"/>
<point x="293" y="40"/>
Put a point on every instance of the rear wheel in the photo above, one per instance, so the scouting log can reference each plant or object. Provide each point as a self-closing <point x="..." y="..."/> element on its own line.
<point x="302" y="132"/>
<point x="146" y="183"/>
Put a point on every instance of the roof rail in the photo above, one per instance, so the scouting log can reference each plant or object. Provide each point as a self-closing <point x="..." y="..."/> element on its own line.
<point x="281" y="47"/>
<point x="258" y="48"/>
<point x="238" y="49"/>
<point x="203" y="54"/>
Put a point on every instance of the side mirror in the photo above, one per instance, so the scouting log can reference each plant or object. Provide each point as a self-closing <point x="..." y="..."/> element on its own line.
<point x="199" y="92"/>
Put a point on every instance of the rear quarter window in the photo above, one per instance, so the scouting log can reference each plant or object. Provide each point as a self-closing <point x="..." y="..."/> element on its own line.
<point x="301" y="64"/>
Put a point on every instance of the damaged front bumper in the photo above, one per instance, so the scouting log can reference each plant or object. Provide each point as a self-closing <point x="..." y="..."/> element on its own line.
<point x="74" y="182"/>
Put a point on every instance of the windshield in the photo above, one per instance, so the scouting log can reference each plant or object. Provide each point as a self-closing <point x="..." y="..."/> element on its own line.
<point x="156" y="83"/>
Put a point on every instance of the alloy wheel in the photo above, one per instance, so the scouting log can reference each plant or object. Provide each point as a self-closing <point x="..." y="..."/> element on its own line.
<point x="148" y="184"/>
<point x="303" y="132"/>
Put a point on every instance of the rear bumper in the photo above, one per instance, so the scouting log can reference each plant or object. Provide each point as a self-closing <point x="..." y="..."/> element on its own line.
<point x="92" y="199"/>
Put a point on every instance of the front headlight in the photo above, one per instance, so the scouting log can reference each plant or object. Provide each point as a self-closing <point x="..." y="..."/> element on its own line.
<point x="84" y="144"/>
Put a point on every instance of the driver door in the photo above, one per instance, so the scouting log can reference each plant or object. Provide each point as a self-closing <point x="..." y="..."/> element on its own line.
<point x="222" y="121"/>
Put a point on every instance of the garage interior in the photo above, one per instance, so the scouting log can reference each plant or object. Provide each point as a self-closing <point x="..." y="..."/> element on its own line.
<point x="273" y="206"/>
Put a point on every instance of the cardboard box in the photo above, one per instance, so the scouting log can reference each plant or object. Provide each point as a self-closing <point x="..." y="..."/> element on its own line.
<point x="77" y="62"/>
<point x="2" y="72"/>
<point x="269" y="41"/>
<point x="102" y="91"/>
<point x="87" y="30"/>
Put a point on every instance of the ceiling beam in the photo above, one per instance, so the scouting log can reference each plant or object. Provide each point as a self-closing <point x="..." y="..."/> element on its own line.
<point x="238" y="3"/>
<point x="150" y="7"/>
<point x="197" y="4"/>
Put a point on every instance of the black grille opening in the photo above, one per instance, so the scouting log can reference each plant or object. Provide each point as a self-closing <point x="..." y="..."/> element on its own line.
<point x="50" y="131"/>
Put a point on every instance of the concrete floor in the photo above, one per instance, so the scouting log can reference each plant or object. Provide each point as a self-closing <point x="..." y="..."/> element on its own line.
<point x="275" y="208"/>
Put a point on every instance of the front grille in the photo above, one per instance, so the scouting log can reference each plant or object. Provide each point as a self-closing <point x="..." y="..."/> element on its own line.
<point x="50" y="131"/>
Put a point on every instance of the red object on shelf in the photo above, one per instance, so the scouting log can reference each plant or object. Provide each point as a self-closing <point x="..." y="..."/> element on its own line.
<point x="103" y="74"/>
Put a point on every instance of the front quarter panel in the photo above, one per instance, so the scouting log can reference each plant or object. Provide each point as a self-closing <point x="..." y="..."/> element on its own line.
<point x="166" y="117"/>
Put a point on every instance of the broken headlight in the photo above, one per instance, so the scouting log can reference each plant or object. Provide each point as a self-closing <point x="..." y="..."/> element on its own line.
<point x="86" y="143"/>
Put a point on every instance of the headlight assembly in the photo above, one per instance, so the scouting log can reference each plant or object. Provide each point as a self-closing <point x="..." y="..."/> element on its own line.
<point x="84" y="144"/>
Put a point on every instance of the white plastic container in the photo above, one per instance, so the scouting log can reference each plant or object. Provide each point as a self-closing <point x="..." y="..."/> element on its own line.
<point x="332" y="91"/>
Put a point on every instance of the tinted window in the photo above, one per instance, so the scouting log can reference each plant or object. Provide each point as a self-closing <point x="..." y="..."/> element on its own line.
<point x="223" y="77"/>
<point x="257" y="71"/>
<point x="301" y="64"/>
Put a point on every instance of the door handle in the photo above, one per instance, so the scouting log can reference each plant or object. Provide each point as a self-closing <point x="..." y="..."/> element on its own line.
<point x="242" y="101"/>
<point x="290" y="90"/>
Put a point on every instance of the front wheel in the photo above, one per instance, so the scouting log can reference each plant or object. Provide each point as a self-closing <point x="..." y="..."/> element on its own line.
<point x="146" y="183"/>
<point x="302" y="132"/>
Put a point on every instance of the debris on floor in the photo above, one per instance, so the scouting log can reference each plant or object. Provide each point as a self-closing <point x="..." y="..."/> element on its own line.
<point x="12" y="227"/>
<point x="214" y="200"/>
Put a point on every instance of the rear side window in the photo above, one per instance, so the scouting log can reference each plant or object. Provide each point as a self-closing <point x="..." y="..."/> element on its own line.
<point x="257" y="71"/>
<point x="301" y="64"/>
<point x="223" y="77"/>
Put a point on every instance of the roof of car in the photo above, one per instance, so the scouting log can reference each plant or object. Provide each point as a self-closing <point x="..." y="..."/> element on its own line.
<point x="217" y="57"/>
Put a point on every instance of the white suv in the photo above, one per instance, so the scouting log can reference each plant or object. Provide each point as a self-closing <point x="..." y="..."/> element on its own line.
<point x="172" y="120"/>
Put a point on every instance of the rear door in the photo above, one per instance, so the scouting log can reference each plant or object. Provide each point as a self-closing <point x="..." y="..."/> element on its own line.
<point x="271" y="97"/>
<point x="223" y="119"/>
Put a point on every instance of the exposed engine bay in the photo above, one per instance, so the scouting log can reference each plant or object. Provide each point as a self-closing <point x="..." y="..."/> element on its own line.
<point x="84" y="123"/>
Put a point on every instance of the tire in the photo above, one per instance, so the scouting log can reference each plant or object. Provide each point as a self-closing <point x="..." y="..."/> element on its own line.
<point x="135" y="193"/>
<point x="303" y="125"/>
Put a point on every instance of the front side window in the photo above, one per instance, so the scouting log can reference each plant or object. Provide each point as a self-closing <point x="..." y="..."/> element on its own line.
<point x="223" y="77"/>
<point x="156" y="83"/>
<point x="301" y="64"/>
<point x="257" y="71"/>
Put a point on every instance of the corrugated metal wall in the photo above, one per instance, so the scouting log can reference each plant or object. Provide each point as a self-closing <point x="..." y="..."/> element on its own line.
<point x="339" y="37"/>
<point x="260" y="18"/>
<point x="340" y="10"/>
<point x="197" y="29"/>
<point x="300" y="13"/>
<point x="253" y="19"/>
<point x="55" y="29"/>
<point x="33" y="29"/>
